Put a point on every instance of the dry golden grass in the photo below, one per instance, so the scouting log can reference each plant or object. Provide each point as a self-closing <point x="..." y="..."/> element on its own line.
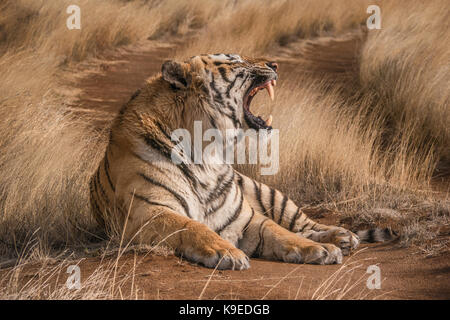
<point x="41" y="25"/>
<point x="47" y="278"/>
<point x="376" y="140"/>
<point x="410" y="84"/>
<point x="252" y="27"/>
<point x="47" y="154"/>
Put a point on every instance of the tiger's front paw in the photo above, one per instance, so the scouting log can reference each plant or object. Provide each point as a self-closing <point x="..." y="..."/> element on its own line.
<point x="221" y="254"/>
<point x="342" y="238"/>
<point x="310" y="252"/>
<point x="319" y="253"/>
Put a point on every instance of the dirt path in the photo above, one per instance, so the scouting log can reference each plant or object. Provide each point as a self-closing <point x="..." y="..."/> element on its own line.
<point x="109" y="83"/>
<point x="406" y="273"/>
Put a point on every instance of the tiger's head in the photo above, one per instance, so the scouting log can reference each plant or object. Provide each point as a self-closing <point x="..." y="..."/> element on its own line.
<point x="226" y="85"/>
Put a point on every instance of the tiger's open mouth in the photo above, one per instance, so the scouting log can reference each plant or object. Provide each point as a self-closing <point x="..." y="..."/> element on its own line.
<point x="256" y="122"/>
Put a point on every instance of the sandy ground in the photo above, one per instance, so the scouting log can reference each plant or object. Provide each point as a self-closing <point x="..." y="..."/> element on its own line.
<point x="406" y="273"/>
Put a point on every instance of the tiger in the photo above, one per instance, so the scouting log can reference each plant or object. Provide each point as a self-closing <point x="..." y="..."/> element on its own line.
<point x="210" y="214"/>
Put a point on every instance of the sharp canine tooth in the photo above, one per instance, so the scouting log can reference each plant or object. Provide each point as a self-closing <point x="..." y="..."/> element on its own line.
<point x="269" y="121"/>
<point x="270" y="90"/>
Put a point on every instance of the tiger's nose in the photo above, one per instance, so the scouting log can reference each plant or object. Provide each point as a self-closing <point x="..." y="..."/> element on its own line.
<point x="273" y="66"/>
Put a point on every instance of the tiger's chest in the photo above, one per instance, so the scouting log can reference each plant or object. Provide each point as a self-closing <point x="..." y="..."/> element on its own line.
<point x="205" y="193"/>
<point x="216" y="196"/>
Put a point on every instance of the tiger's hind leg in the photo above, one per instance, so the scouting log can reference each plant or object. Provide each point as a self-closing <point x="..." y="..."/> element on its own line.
<point x="190" y="239"/>
<point x="266" y="239"/>
<point x="278" y="207"/>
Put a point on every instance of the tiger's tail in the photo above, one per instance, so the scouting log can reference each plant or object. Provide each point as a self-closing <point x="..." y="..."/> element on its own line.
<point x="377" y="235"/>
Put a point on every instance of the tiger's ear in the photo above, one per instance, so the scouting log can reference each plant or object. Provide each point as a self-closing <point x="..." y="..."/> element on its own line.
<point x="177" y="74"/>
